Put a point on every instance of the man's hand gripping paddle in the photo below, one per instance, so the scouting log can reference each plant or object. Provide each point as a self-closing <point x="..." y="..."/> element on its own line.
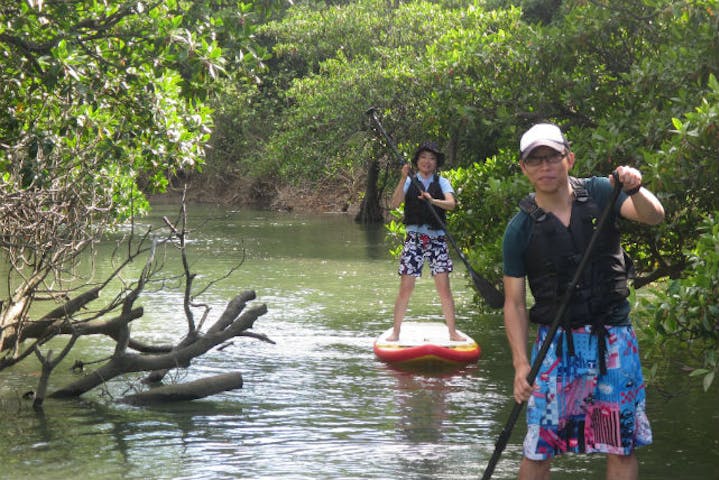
<point x="491" y="295"/>
<point x="504" y="435"/>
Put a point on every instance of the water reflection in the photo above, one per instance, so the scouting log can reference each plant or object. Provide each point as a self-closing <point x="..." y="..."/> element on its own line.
<point x="421" y="405"/>
<point x="375" y="240"/>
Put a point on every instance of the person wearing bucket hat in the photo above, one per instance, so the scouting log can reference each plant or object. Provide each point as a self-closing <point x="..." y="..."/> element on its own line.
<point x="588" y="395"/>
<point x="425" y="239"/>
<point x="429" y="146"/>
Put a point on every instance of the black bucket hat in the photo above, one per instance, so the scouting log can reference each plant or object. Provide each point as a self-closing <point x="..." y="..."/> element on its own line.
<point x="429" y="147"/>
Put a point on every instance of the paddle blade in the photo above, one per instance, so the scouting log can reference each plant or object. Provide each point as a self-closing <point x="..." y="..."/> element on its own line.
<point x="489" y="292"/>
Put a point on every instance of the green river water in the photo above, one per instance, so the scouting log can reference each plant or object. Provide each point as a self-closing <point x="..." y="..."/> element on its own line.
<point x="317" y="404"/>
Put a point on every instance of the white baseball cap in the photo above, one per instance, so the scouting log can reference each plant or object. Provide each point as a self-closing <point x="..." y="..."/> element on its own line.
<point x="542" y="135"/>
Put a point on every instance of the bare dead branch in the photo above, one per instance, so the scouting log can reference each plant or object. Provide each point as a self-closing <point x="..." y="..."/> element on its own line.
<point x="48" y="365"/>
<point x="182" y="357"/>
<point x="187" y="391"/>
<point x="50" y="225"/>
<point x="232" y="311"/>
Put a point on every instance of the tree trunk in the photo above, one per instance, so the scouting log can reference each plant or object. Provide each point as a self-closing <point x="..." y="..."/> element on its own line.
<point x="371" y="209"/>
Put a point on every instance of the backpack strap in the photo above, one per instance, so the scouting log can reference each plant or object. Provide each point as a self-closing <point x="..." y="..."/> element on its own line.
<point x="580" y="192"/>
<point x="530" y="207"/>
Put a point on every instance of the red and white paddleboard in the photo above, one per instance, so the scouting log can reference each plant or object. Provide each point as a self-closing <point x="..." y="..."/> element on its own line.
<point x="425" y="344"/>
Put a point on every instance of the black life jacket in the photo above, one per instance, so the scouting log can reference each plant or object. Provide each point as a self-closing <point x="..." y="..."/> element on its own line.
<point x="554" y="253"/>
<point x="416" y="210"/>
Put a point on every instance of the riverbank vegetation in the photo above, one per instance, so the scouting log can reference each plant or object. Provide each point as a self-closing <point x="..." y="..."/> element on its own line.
<point x="265" y="103"/>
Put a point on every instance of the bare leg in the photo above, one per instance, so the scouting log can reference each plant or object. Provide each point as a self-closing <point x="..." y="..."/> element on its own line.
<point x="441" y="281"/>
<point x="534" y="470"/>
<point x="406" y="286"/>
<point x="622" y="467"/>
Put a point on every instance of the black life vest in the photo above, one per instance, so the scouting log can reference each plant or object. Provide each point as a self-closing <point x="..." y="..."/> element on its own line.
<point x="554" y="253"/>
<point x="416" y="210"/>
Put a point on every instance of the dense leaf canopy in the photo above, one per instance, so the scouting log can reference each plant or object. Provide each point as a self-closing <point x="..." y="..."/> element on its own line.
<point x="113" y="91"/>
<point x="619" y="77"/>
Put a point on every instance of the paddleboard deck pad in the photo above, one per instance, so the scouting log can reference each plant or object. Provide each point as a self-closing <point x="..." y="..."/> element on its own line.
<point x="425" y="343"/>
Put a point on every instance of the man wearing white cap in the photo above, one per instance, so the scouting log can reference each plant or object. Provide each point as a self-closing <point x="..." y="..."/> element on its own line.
<point x="588" y="395"/>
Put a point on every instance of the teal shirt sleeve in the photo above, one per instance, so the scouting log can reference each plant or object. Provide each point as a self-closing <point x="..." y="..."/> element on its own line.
<point x="514" y="244"/>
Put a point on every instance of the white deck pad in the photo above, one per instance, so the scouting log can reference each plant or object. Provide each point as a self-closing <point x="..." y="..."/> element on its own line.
<point x="413" y="334"/>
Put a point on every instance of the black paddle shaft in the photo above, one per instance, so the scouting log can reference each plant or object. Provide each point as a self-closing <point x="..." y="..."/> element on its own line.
<point x="492" y="296"/>
<point x="503" y="438"/>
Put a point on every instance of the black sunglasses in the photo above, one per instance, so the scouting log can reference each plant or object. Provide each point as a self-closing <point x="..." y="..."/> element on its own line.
<point x="551" y="158"/>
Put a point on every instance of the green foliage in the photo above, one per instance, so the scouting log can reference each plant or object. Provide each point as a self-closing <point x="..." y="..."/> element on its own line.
<point x="352" y="57"/>
<point x="396" y="231"/>
<point x="684" y="170"/>
<point x="686" y="313"/>
<point x="112" y="92"/>
<point x="320" y="140"/>
<point x="472" y="73"/>
<point x="488" y="195"/>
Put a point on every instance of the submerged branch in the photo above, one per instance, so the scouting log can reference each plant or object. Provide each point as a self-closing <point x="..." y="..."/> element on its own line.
<point x="181" y="357"/>
<point x="201" y="388"/>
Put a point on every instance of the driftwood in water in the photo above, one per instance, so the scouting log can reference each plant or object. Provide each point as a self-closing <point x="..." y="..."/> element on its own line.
<point x="105" y="309"/>
<point x="186" y="391"/>
<point x="226" y="328"/>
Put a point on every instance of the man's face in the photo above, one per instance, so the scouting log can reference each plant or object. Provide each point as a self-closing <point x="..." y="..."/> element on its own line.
<point x="547" y="169"/>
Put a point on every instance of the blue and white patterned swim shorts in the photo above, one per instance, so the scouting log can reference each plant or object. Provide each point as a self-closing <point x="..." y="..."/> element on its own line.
<point x="419" y="247"/>
<point x="578" y="410"/>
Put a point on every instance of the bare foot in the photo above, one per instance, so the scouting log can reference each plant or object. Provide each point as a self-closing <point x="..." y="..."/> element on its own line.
<point x="392" y="338"/>
<point x="456" y="337"/>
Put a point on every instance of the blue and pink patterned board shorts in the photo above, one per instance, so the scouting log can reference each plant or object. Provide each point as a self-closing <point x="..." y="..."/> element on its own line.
<point x="576" y="409"/>
<point x="419" y="247"/>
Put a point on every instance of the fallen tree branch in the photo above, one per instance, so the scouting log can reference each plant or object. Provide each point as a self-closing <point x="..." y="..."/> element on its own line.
<point x="233" y="309"/>
<point x="201" y="388"/>
<point x="181" y="357"/>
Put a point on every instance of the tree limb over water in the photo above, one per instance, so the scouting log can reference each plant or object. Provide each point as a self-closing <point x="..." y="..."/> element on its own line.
<point x="43" y="267"/>
<point x="180" y="357"/>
